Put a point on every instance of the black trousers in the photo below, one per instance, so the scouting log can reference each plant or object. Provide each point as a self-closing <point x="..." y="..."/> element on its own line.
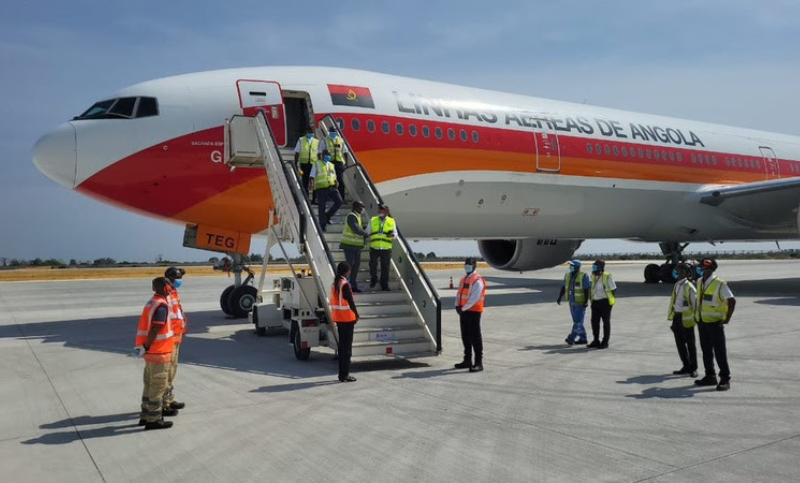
<point x="323" y="195"/>
<point x="385" y="256"/>
<point x="352" y="255"/>
<point x="684" y="342"/>
<point x="601" y="309"/>
<point x="306" y="168"/>
<point x="471" y="336"/>
<point x="712" y="341"/>
<point x="339" y="167"/>
<point x="345" y="348"/>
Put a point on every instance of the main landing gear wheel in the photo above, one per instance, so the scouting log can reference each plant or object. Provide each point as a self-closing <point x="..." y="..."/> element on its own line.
<point x="666" y="273"/>
<point x="241" y="301"/>
<point x="651" y="273"/>
<point x="223" y="299"/>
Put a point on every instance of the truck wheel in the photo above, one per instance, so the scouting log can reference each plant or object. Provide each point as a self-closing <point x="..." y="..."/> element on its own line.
<point x="241" y="301"/>
<point x="260" y="331"/>
<point x="223" y="299"/>
<point x="299" y="352"/>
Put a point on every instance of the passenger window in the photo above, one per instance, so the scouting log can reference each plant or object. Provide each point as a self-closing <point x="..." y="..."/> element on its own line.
<point x="616" y="150"/>
<point x="625" y="152"/>
<point x="671" y="156"/>
<point x="657" y="154"/>
<point x="680" y="157"/>
<point x="451" y="134"/>
<point x="340" y="123"/>
<point x="463" y="135"/>
<point x="439" y="133"/>
<point x="649" y="154"/>
<point x="399" y="128"/>
<point x="708" y="159"/>
<point x="633" y="152"/>
<point x="426" y="131"/>
<point x="589" y="148"/>
<point x="727" y="162"/>
<point x="355" y="124"/>
<point x="412" y="129"/>
<point x="694" y="158"/>
<point x="599" y="150"/>
<point x="148" y="107"/>
<point x="641" y="152"/>
<point x="370" y="125"/>
<point x="714" y="160"/>
<point x="385" y="127"/>
<point x="475" y="136"/>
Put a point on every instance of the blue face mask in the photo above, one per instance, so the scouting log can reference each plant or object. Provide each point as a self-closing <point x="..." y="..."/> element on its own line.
<point x="595" y="268"/>
<point x="309" y="135"/>
<point x="326" y="158"/>
<point x="334" y="135"/>
<point x="572" y="269"/>
<point x="699" y="271"/>
<point x="468" y="268"/>
<point x="177" y="283"/>
<point x="675" y="274"/>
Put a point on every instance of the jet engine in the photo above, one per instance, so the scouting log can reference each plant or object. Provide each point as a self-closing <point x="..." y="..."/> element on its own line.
<point x="527" y="254"/>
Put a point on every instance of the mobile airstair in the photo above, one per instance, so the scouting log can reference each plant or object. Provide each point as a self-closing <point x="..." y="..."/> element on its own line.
<point x="405" y="321"/>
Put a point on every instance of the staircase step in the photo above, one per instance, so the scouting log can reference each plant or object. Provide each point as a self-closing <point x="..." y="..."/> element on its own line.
<point x="407" y="319"/>
<point x="383" y="309"/>
<point x="376" y="348"/>
<point x="387" y="334"/>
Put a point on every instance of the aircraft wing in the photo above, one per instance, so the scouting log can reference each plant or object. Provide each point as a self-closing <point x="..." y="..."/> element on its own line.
<point x="767" y="205"/>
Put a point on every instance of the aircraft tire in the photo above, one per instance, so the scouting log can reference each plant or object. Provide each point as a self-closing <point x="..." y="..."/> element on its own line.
<point x="665" y="273"/>
<point x="223" y="299"/>
<point x="241" y="301"/>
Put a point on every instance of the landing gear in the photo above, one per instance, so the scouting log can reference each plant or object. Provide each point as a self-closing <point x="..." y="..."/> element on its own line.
<point x="654" y="273"/>
<point x="223" y="299"/>
<point x="238" y="299"/>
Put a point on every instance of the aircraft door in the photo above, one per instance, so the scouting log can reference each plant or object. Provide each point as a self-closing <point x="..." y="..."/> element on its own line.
<point x="264" y="96"/>
<point x="771" y="165"/>
<point x="548" y="151"/>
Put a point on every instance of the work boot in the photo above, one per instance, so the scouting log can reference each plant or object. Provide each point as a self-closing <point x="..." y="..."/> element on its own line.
<point x="594" y="345"/>
<point x="372" y="283"/>
<point x="141" y="422"/>
<point x="347" y="379"/>
<point x="463" y="365"/>
<point x="603" y="345"/>
<point x="693" y="373"/>
<point x="169" y="412"/>
<point x="724" y="385"/>
<point x="569" y="341"/>
<point x="681" y="371"/>
<point x="160" y="424"/>
<point x="706" y="381"/>
<point x="476" y="368"/>
<point x="580" y="342"/>
<point x="177" y="405"/>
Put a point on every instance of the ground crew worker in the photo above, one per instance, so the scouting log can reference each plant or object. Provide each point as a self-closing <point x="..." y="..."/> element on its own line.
<point x="155" y="343"/>
<point x="306" y="151"/>
<point x="335" y="145"/>
<point x="576" y="286"/>
<point x="353" y="241"/>
<point x="177" y="319"/>
<point x="323" y="181"/>
<point x="382" y="235"/>
<point x="681" y="313"/>
<point x="603" y="299"/>
<point x="345" y="316"/>
<point x="469" y="306"/>
<point x="714" y="309"/>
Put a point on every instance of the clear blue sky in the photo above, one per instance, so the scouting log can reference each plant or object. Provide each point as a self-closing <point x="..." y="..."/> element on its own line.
<point x="734" y="62"/>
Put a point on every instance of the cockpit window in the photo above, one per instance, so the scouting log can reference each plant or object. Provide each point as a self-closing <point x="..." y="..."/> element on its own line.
<point x="122" y="108"/>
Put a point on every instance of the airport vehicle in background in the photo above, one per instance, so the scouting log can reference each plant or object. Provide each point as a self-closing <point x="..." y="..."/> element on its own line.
<point x="528" y="178"/>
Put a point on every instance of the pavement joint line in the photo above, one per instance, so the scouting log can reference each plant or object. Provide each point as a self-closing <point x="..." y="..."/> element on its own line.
<point x="735" y="453"/>
<point x="52" y="386"/>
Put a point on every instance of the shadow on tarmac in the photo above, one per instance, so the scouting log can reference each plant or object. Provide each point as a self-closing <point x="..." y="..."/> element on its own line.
<point x="558" y="349"/>
<point x="76" y="433"/>
<point x="664" y="392"/>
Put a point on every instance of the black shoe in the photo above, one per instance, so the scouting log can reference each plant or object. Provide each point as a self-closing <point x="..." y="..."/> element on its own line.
<point x="385" y="289"/>
<point x="693" y="373"/>
<point x="476" y="368"/>
<point x="169" y="412"/>
<point x="569" y="341"/>
<point x="177" y="405"/>
<point x="603" y="345"/>
<point x="347" y="379"/>
<point x="463" y="365"/>
<point x="681" y="371"/>
<point x="594" y="345"/>
<point x="141" y="422"/>
<point x="160" y="424"/>
<point x="372" y="284"/>
<point x="580" y="342"/>
<point x="724" y="385"/>
<point x="706" y="381"/>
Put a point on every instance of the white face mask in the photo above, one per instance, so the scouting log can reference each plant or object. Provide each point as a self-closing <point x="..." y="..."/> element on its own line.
<point x="468" y="268"/>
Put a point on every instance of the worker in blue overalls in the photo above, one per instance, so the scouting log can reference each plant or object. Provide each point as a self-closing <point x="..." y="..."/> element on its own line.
<point x="576" y="286"/>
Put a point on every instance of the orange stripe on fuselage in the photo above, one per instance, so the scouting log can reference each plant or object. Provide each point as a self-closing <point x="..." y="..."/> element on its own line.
<point x="242" y="208"/>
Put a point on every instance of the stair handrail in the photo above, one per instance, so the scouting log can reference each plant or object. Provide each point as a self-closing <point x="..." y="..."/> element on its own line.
<point x="430" y="303"/>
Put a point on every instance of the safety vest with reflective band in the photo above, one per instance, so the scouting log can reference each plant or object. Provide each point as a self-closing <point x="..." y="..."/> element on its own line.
<point x="164" y="343"/>
<point x="349" y="237"/>
<point x="176" y="317"/>
<point x="609" y="294"/>
<point x="377" y="239"/>
<point x="340" y="307"/>
<point x="308" y="150"/>
<point x="325" y="175"/>
<point x="711" y="307"/>
<point x="463" y="292"/>
<point x="686" y="303"/>
<point x="579" y="292"/>
<point x="336" y="148"/>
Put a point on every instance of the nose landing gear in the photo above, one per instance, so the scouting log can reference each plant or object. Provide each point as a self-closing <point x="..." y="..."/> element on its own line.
<point x="654" y="273"/>
<point x="238" y="299"/>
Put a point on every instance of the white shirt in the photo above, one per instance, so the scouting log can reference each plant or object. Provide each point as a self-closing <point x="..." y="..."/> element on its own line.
<point x="678" y="307"/>
<point x="475" y="291"/>
<point x="599" y="289"/>
<point x="724" y="290"/>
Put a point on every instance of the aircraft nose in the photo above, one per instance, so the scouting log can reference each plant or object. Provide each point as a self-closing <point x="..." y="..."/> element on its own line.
<point x="56" y="155"/>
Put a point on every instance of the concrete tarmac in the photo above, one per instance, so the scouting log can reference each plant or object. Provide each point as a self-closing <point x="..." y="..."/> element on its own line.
<point x="541" y="411"/>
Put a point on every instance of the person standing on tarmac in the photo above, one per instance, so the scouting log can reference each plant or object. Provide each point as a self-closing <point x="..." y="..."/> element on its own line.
<point x="576" y="286"/>
<point x="353" y="241"/>
<point x="602" y="297"/>
<point x="469" y="306"/>
<point x="337" y="149"/>
<point x="305" y="153"/>
<point x="324" y="183"/>
<point x="381" y="235"/>
<point x="177" y="318"/>
<point x="714" y="309"/>
<point x="681" y="313"/>
<point x="155" y="343"/>
<point x="345" y="316"/>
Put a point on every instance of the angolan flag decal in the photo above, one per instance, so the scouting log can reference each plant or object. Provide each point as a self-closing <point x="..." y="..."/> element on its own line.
<point x="351" y="96"/>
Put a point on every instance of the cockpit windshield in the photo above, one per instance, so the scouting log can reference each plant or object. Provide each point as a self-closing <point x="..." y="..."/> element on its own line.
<point x="121" y="108"/>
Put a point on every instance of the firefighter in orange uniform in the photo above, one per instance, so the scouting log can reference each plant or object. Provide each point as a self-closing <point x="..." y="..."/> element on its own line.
<point x="177" y="319"/>
<point x="345" y="316"/>
<point x="469" y="305"/>
<point x="154" y="341"/>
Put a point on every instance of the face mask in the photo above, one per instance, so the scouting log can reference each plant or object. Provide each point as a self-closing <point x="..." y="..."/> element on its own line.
<point x="675" y="274"/>
<point x="177" y="283"/>
<point x="572" y="269"/>
<point x="468" y="268"/>
<point x="326" y="158"/>
<point x="334" y="135"/>
<point x="382" y="215"/>
<point x="595" y="268"/>
<point x="699" y="271"/>
<point x="309" y="135"/>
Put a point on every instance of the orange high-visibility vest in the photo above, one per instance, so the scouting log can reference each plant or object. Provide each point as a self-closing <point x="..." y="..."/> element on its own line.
<point x="340" y="307"/>
<point x="164" y="342"/>
<point x="176" y="317"/>
<point x="463" y="292"/>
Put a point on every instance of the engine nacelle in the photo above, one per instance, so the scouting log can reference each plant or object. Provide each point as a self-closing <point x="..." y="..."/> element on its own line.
<point x="527" y="254"/>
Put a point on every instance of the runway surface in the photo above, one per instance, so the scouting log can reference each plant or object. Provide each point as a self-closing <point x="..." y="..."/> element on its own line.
<point x="541" y="411"/>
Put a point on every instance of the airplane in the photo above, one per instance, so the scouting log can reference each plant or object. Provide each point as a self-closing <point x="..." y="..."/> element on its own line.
<point x="528" y="178"/>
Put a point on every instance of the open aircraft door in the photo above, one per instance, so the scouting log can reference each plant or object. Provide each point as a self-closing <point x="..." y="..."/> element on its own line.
<point x="264" y="96"/>
<point x="548" y="151"/>
<point x="770" y="162"/>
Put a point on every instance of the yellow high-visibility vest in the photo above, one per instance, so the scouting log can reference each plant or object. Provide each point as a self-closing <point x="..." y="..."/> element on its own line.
<point x="336" y="148"/>
<point x="688" y="309"/>
<point x="609" y="293"/>
<point x="580" y="293"/>
<point x="308" y="150"/>
<point x="711" y="307"/>
<point x="349" y="237"/>
<point x="378" y="239"/>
